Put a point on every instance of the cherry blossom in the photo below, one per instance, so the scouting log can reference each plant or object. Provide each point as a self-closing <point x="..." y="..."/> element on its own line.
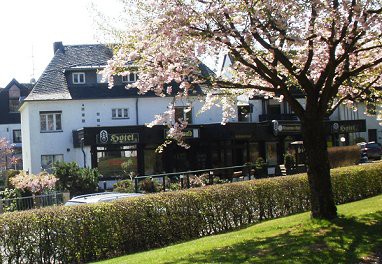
<point x="328" y="50"/>
<point x="36" y="184"/>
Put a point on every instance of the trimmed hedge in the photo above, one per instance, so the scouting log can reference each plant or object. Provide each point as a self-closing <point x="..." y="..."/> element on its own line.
<point x="79" y="234"/>
<point x="344" y="156"/>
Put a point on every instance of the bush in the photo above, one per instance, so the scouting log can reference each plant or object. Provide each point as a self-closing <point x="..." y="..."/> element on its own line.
<point x="344" y="156"/>
<point x="149" y="185"/>
<point x="124" y="186"/>
<point x="74" y="179"/>
<point x="9" y="174"/>
<point x="78" y="234"/>
<point x="289" y="161"/>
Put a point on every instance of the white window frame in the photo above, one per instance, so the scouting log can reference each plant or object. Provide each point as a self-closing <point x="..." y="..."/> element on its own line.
<point x="120" y="113"/>
<point x="127" y="79"/>
<point x="100" y="78"/>
<point x="44" y="116"/>
<point x="53" y="158"/>
<point x="78" y="74"/>
<point x="14" y="136"/>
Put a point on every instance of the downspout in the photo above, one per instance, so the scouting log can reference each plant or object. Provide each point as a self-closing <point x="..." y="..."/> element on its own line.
<point x="83" y="151"/>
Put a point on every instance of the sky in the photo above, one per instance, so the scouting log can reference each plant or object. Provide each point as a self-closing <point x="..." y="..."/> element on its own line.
<point x="28" y="30"/>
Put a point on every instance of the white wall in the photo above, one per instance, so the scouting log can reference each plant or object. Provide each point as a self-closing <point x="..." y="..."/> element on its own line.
<point x="6" y="131"/>
<point x="89" y="113"/>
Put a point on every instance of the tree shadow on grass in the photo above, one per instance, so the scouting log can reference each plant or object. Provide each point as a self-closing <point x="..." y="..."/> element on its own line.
<point x="338" y="242"/>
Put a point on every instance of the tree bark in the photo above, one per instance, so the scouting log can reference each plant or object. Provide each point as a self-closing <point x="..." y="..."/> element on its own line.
<point x="314" y="136"/>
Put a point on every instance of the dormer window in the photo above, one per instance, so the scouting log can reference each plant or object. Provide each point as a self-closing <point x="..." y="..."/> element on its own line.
<point x="14" y="99"/>
<point x="78" y="77"/>
<point x="130" y="78"/>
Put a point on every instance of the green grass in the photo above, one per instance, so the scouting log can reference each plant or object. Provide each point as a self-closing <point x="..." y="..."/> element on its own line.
<point x="356" y="234"/>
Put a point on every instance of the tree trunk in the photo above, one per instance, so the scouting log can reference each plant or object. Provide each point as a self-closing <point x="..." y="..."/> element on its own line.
<point x="317" y="160"/>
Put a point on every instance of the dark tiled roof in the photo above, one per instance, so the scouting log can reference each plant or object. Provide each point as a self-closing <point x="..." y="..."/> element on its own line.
<point x="5" y="116"/>
<point x="52" y="84"/>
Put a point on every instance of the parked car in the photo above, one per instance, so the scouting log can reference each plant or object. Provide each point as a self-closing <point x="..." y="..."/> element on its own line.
<point x="371" y="150"/>
<point x="100" y="197"/>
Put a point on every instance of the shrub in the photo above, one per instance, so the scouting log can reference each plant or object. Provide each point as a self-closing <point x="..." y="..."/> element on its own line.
<point x="9" y="174"/>
<point x="74" y="179"/>
<point x="124" y="186"/>
<point x="36" y="184"/>
<point x="78" y="234"/>
<point x="344" y="156"/>
<point x="149" y="185"/>
<point x="289" y="161"/>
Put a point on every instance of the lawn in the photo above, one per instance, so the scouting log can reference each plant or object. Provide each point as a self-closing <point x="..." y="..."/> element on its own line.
<point x="356" y="236"/>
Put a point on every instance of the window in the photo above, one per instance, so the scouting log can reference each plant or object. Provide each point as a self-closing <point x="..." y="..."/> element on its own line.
<point x="50" y="121"/>
<point x="13" y="105"/>
<point x="100" y="78"/>
<point x="120" y="113"/>
<point x="183" y="113"/>
<point x="78" y="77"/>
<point x="244" y="113"/>
<point x="47" y="161"/>
<point x="14" y="95"/>
<point x="17" y="136"/>
<point x="130" y="78"/>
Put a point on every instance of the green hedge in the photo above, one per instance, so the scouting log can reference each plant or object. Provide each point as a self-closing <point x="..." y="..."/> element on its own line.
<point x="79" y="234"/>
<point x="344" y="156"/>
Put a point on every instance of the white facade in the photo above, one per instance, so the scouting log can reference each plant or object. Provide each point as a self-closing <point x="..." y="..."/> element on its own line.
<point x="76" y="114"/>
<point x="6" y="131"/>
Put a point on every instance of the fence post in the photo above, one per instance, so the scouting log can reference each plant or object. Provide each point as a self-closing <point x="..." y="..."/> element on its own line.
<point x="188" y="181"/>
<point x="164" y="183"/>
<point x="181" y="180"/>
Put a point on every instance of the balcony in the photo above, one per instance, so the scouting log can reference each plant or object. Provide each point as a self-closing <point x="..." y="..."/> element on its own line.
<point x="271" y="117"/>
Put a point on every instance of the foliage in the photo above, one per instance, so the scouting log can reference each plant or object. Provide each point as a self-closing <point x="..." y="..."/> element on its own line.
<point x="67" y="172"/>
<point x="127" y="168"/>
<point x="10" y="194"/>
<point x="9" y="174"/>
<point x="6" y="154"/>
<point x="283" y="240"/>
<point x="149" y="185"/>
<point x="84" y="233"/>
<point x="344" y="156"/>
<point x="124" y="186"/>
<point x="36" y="184"/>
<point x="74" y="179"/>
<point x="327" y="52"/>
<point x="87" y="181"/>
<point x="289" y="160"/>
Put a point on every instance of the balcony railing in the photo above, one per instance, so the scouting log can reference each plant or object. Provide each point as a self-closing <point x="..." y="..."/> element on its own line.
<point x="292" y="117"/>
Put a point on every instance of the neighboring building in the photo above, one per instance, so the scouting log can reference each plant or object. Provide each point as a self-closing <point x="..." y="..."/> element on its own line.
<point x="71" y="115"/>
<point x="10" y="128"/>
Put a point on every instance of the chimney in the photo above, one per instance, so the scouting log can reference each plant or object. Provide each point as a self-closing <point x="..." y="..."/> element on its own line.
<point x="58" y="46"/>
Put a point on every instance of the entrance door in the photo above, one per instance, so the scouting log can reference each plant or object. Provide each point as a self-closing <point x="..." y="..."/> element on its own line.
<point x="372" y="135"/>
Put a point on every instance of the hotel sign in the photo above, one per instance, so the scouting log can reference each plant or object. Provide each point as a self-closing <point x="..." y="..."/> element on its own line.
<point x="285" y="128"/>
<point x="187" y="133"/>
<point x="332" y="127"/>
<point x="121" y="138"/>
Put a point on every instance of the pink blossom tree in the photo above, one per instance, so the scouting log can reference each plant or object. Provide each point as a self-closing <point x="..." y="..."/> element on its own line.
<point x="36" y="184"/>
<point x="328" y="50"/>
<point x="6" y="152"/>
